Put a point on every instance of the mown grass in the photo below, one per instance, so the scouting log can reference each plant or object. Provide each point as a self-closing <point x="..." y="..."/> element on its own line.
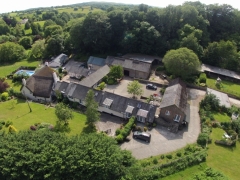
<point x="223" y="159"/>
<point x="86" y="10"/>
<point x="226" y="86"/>
<point x="187" y="173"/>
<point x="17" y="111"/>
<point x="221" y="117"/>
<point x="8" y="68"/>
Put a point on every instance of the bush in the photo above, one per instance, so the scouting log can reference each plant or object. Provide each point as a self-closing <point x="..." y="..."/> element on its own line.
<point x="34" y="128"/>
<point x="8" y="123"/>
<point x="162" y="156"/>
<point x="179" y="154"/>
<point x="2" y="122"/>
<point x="125" y="131"/>
<point x="12" y="129"/>
<point x="155" y="161"/>
<point x="119" y="138"/>
<point x="4" y="96"/>
<point x="203" y="78"/>
<point x="203" y="139"/>
<point x="1" y="126"/>
<point x="102" y="85"/>
<point x="160" y="68"/>
<point x="145" y="129"/>
<point x="169" y="156"/>
<point x="162" y="90"/>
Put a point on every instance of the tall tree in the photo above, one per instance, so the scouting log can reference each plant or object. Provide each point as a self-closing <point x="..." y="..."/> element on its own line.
<point x="11" y="52"/>
<point x="54" y="45"/>
<point x="38" y="49"/>
<point x="116" y="72"/>
<point x="63" y="113"/>
<point x="92" y="108"/>
<point x="181" y="62"/>
<point x="135" y="88"/>
<point x="26" y="42"/>
<point x="53" y="30"/>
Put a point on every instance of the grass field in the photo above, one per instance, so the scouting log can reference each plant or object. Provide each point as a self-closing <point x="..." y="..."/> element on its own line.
<point x="221" y="117"/>
<point x="226" y="86"/>
<point x="223" y="159"/>
<point x="187" y="173"/>
<point x="86" y="10"/>
<point x="7" y="69"/>
<point x="17" y="111"/>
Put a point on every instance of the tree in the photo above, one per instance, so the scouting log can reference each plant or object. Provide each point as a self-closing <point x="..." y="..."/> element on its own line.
<point x="53" y="30"/>
<point x="26" y="42"/>
<point x="49" y="155"/>
<point x="27" y="26"/>
<point x="38" y="49"/>
<point x="63" y="113"/>
<point x="135" y="88"/>
<point x="181" y="62"/>
<point x="92" y="108"/>
<point x="54" y="45"/>
<point x="11" y="52"/>
<point x="3" y="85"/>
<point x="116" y="72"/>
<point x="35" y="30"/>
<point x="210" y="101"/>
<point x="48" y="23"/>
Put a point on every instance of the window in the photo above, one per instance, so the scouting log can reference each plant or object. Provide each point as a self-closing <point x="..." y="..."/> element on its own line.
<point x="177" y="118"/>
<point x="167" y="113"/>
<point x="128" y="115"/>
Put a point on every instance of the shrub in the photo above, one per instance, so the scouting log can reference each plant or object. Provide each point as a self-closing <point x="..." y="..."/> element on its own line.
<point x="125" y="131"/>
<point x="160" y="68"/>
<point x="162" y="156"/>
<point x="34" y="128"/>
<point x="202" y="78"/>
<point x="169" y="156"/>
<point x="4" y="96"/>
<point x="138" y="128"/>
<point x="60" y="70"/>
<point x="202" y="139"/>
<point x="155" y="161"/>
<point x="12" y="129"/>
<point x="179" y="154"/>
<point x="3" y="85"/>
<point x="117" y="132"/>
<point x="102" y="85"/>
<point x="119" y="138"/>
<point x="1" y="126"/>
<point x="2" y="122"/>
<point x="111" y="81"/>
<point x="145" y="129"/>
<point x="8" y="123"/>
<point x="154" y="124"/>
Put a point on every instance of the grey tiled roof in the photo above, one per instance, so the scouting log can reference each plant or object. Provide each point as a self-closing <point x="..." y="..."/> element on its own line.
<point x="141" y="57"/>
<point x="93" y="78"/>
<point x="58" y="61"/>
<point x="175" y="94"/>
<point x="96" y="61"/>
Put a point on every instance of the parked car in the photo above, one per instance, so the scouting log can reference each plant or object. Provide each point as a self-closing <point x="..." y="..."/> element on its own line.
<point x="151" y="86"/>
<point x="142" y="135"/>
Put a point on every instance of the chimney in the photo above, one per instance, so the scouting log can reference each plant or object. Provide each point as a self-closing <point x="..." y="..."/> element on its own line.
<point x="55" y="78"/>
<point x="24" y="82"/>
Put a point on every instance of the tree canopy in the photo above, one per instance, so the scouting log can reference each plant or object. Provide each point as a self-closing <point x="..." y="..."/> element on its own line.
<point x="11" y="52"/>
<point x="181" y="62"/>
<point x="92" y="108"/>
<point x="135" y="88"/>
<point x="63" y="113"/>
<point x="50" y="155"/>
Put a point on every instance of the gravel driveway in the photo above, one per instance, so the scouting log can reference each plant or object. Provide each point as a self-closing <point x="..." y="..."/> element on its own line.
<point x="164" y="141"/>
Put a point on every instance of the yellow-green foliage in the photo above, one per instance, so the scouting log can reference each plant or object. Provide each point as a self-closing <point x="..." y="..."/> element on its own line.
<point x="12" y="129"/>
<point x="4" y="96"/>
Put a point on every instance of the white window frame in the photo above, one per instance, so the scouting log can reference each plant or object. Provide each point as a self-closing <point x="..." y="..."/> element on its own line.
<point x="177" y="118"/>
<point x="167" y="113"/>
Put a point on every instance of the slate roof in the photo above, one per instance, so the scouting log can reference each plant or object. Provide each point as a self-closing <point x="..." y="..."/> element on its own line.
<point x="130" y="64"/>
<point x="223" y="98"/>
<point x="96" y="76"/>
<point x="118" y="103"/>
<point x="41" y="82"/>
<point x="220" y="71"/>
<point x="141" y="57"/>
<point x="96" y="61"/>
<point x="175" y="94"/>
<point x="58" y="61"/>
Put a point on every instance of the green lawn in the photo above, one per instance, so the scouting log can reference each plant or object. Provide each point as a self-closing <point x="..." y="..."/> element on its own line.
<point x="187" y="173"/>
<point x="7" y="69"/>
<point x="226" y="86"/>
<point x="17" y="111"/>
<point x="221" y="117"/>
<point x="86" y="10"/>
<point x="223" y="159"/>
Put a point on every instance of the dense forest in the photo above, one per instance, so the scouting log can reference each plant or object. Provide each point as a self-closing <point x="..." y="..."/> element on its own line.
<point x="211" y="31"/>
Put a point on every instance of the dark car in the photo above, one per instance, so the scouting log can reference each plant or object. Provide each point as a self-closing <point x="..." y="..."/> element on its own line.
<point x="142" y="135"/>
<point x="151" y="86"/>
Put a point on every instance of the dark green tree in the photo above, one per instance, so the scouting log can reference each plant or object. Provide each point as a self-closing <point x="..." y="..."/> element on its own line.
<point x="27" y="26"/>
<point x="48" y="23"/>
<point x="38" y="49"/>
<point x="92" y="108"/>
<point x="181" y="62"/>
<point x="35" y="30"/>
<point x="11" y="52"/>
<point x="49" y="155"/>
<point x="53" y="30"/>
<point x="26" y="42"/>
<point x="63" y="113"/>
<point x="116" y="72"/>
<point x="54" y="45"/>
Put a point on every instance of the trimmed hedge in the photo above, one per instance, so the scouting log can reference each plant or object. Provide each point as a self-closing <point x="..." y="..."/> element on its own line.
<point x="125" y="131"/>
